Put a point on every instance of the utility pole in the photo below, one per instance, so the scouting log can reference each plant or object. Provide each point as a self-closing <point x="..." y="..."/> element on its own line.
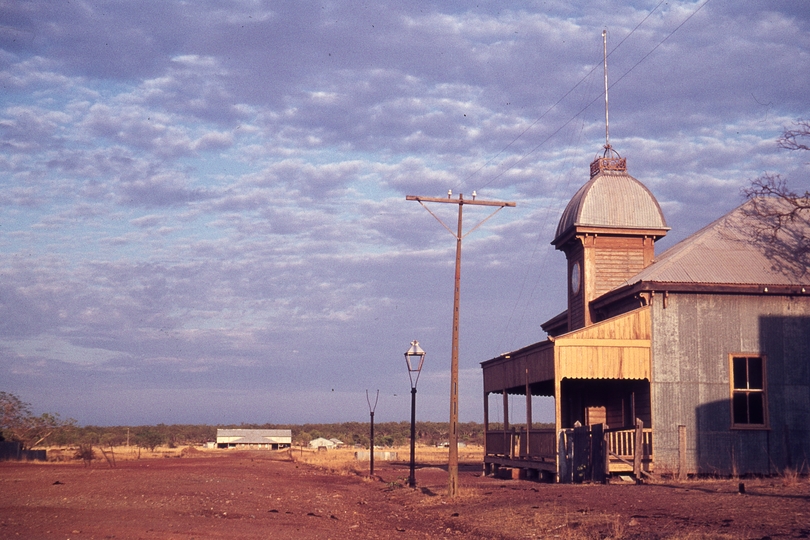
<point x="452" y="465"/>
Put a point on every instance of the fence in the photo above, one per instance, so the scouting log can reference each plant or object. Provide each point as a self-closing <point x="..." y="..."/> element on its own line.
<point x="13" y="451"/>
<point x="589" y="453"/>
<point x="583" y="453"/>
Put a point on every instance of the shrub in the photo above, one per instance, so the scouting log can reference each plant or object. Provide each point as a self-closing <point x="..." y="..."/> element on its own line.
<point x="86" y="454"/>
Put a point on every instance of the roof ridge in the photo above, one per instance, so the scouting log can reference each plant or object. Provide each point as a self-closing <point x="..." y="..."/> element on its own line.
<point x="729" y="251"/>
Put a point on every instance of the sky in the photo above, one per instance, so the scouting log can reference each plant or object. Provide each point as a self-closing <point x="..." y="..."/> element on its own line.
<point x="202" y="205"/>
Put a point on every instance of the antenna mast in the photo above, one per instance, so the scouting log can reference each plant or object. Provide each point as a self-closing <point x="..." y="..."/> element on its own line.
<point x="610" y="160"/>
<point x="607" y="122"/>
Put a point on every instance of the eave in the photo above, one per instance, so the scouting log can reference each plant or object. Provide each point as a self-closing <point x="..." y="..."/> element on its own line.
<point x="633" y="290"/>
<point x="592" y="230"/>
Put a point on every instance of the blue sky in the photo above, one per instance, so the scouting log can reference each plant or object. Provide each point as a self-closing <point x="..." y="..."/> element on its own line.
<point x="203" y="208"/>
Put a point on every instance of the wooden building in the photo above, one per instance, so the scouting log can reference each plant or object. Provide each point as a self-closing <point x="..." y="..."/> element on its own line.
<point x="695" y="361"/>
<point x="254" y="439"/>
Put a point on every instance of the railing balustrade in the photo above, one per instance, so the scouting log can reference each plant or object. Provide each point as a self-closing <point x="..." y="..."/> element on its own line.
<point x="538" y="443"/>
<point x="542" y="444"/>
<point x="621" y="443"/>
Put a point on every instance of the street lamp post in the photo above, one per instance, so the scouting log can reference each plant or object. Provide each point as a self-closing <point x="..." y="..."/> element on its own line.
<point x="414" y="357"/>
<point x="371" y="445"/>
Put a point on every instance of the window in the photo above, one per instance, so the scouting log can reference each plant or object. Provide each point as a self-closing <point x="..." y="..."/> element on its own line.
<point x="749" y="406"/>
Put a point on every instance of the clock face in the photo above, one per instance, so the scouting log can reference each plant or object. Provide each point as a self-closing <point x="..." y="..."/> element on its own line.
<point x="575" y="278"/>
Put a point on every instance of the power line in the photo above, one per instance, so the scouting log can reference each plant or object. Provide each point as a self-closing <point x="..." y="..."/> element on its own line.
<point x="544" y="220"/>
<point x="561" y="127"/>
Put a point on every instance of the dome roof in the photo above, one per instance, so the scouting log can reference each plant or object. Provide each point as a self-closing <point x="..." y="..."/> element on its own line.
<point x="613" y="200"/>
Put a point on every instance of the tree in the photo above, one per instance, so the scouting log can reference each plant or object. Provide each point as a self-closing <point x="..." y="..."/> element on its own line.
<point x="773" y="185"/>
<point x="150" y="439"/>
<point x="780" y="216"/>
<point x="45" y="425"/>
<point x="14" y="416"/>
<point x="797" y="138"/>
<point x="19" y="424"/>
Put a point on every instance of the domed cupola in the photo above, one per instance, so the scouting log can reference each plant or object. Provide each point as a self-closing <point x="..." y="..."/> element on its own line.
<point x="612" y="199"/>
<point x="607" y="233"/>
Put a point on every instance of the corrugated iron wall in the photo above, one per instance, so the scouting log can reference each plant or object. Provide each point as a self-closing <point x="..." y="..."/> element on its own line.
<point x="13" y="451"/>
<point x="692" y="339"/>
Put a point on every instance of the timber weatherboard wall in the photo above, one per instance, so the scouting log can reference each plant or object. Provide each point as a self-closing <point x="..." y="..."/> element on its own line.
<point x="618" y="348"/>
<point x="617" y="258"/>
<point x="692" y="338"/>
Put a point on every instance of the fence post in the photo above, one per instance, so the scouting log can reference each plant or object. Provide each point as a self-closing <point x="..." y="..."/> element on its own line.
<point x="597" y="453"/>
<point x="638" y="449"/>
<point x="681" y="452"/>
<point x="582" y="454"/>
<point x="564" y="475"/>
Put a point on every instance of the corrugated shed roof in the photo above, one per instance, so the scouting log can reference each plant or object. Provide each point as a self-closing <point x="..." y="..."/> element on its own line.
<point x="615" y="200"/>
<point x="255" y="436"/>
<point x="740" y="248"/>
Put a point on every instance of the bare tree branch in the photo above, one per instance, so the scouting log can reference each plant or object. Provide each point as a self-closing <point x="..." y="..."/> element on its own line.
<point x="779" y="229"/>
<point x="773" y="185"/>
<point x="797" y="138"/>
<point x="778" y="215"/>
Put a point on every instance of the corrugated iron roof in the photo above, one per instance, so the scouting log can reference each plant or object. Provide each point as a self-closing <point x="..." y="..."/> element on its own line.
<point x="612" y="199"/>
<point x="255" y="436"/>
<point x="741" y="248"/>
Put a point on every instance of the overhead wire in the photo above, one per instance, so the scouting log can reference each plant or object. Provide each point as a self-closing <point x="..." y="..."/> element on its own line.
<point x="522" y="158"/>
<point x="544" y="220"/>
<point x="551" y="108"/>
<point x="538" y="239"/>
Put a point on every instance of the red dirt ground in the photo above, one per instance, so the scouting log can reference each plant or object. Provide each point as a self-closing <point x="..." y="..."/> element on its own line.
<point x="257" y="495"/>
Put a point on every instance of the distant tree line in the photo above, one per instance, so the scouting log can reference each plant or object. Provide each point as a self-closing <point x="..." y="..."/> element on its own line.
<point x="18" y="423"/>
<point x="351" y="433"/>
<point x="385" y="433"/>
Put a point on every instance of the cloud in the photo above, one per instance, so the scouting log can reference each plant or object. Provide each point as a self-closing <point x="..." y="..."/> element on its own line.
<point x="190" y="196"/>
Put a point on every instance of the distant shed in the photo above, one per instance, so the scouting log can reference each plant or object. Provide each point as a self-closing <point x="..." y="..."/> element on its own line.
<point x="270" y="439"/>
<point x="13" y="451"/>
<point x="322" y="442"/>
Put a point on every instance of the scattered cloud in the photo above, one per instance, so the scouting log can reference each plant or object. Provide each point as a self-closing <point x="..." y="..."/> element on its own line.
<point x="204" y="210"/>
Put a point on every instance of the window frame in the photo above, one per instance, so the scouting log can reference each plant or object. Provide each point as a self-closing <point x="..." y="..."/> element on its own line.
<point x="747" y="391"/>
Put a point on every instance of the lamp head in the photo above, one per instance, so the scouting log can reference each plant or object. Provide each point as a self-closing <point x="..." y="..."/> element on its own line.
<point x="414" y="358"/>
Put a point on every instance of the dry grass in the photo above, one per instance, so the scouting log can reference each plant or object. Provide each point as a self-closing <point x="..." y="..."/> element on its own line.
<point x="107" y="455"/>
<point x="553" y="521"/>
<point x="339" y="461"/>
<point x="424" y="454"/>
<point x="343" y="460"/>
<point x="790" y="477"/>
<point x="704" y="536"/>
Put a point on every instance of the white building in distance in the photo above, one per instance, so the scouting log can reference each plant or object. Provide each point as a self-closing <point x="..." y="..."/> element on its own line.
<point x="270" y="439"/>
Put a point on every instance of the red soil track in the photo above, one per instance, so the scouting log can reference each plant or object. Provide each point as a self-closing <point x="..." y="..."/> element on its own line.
<point x="256" y="495"/>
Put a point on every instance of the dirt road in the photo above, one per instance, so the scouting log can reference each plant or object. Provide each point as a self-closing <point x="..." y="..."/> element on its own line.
<point x="250" y="495"/>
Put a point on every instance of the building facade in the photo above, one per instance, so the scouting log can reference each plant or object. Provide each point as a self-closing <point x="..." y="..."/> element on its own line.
<point x="697" y="360"/>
